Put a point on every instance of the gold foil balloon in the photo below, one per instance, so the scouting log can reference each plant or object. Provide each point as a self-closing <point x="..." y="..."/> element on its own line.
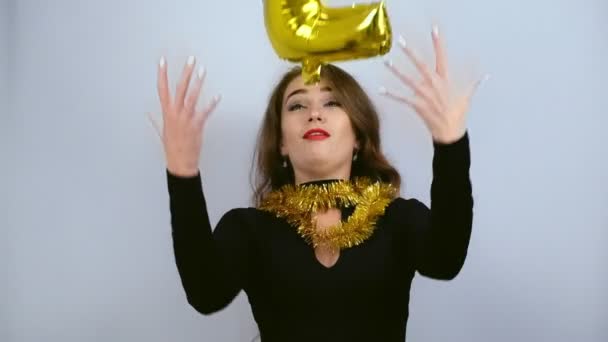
<point x="307" y="32"/>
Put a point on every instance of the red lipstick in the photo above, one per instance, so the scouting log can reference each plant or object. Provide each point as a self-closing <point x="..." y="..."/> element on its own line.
<point x="316" y="134"/>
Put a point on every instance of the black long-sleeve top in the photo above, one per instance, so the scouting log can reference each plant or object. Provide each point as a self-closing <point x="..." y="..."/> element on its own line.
<point x="363" y="297"/>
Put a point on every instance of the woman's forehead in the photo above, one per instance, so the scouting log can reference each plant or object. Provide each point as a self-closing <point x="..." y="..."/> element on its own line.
<point x="298" y="83"/>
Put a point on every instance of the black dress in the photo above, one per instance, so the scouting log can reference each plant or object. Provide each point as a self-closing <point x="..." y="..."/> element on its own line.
<point x="363" y="297"/>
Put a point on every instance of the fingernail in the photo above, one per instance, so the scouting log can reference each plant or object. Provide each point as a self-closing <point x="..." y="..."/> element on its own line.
<point x="201" y="72"/>
<point x="162" y="61"/>
<point x="382" y="90"/>
<point x="217" y="98"/>
<point x="402" y="41"/>
<point x="190" y="60"/>
<point x="388" y="62"/>
<point x="435" y="30"/>
<point x="484" y="78"/>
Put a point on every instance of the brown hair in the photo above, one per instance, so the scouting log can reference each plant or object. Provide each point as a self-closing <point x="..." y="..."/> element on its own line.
<point x="370" y="162"/>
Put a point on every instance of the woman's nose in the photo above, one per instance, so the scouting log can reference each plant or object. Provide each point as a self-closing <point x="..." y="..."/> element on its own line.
<point x="315" y="114"/>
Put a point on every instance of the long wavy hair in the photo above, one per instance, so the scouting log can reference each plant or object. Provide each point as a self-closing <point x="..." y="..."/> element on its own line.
<point x="267" y="171"/>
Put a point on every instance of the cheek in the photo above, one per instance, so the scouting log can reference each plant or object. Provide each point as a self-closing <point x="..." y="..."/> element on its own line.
<point x="289" y="129"/>
<point x="347" y="132"/>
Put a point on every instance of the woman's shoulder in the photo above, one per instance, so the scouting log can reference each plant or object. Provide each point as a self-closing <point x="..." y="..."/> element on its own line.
<point x="402" y="202"/>
<point x="246" y="215"/>
<point x="406" y="208"/>
<point x="248" y="222"/>
<point x="405" y="215"/>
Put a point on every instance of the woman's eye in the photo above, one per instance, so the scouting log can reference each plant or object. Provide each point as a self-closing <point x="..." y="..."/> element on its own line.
<point x="294" y="106"/>
<point x="333" y="104"/>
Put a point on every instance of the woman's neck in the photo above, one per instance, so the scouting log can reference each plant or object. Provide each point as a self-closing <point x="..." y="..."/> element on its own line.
<point x="320" y="178"/>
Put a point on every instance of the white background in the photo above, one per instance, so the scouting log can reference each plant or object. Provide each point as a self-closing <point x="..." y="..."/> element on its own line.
<point x="86" y="252"/>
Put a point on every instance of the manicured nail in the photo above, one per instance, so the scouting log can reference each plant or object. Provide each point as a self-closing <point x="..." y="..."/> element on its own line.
<point x="483" y="79"/>
<point x="435" y="31"/>
<point x="382" y="90"/>
<point x="201" y="72"/>
<point x="162" y="62"/>
<point x="402" y="42"/>
<point x="190" y="60"/>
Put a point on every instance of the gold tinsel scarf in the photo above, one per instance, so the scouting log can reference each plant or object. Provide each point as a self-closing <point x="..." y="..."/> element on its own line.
<point x="298" y="203"/>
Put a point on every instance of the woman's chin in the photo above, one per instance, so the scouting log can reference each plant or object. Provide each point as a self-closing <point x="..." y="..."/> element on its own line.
<point x="319" y="164"/>
<point x="319" y="158"/>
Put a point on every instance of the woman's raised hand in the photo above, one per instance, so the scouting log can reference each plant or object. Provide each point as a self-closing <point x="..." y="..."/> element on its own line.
<point x="442" y="106"/>
<point x="183" y="123"/>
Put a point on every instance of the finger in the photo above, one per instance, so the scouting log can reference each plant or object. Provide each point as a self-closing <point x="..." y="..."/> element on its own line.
<point x="476" y="84"/>
<point x="184" y="84"/>
<point x="163" y="88"/>
<point x="441" y="61"/>
<point x="203" y="115"/>
<point x="420" y="66"/>
<point x="395" y="96"/>
<point x="195" y="92"/>
<point x="424" y="92"/>
<point x="155" y="124"/>
<point x="429" y="76"/>
<point x="417" y="105"/>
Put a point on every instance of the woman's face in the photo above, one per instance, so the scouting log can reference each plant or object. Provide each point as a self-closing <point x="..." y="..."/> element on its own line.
<point x="317" y="134"/>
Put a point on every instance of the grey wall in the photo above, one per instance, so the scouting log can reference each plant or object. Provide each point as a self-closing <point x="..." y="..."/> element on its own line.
<point x="5" y="166"/>
<point x="4" y="45"/>
<point x="88" y="222"/>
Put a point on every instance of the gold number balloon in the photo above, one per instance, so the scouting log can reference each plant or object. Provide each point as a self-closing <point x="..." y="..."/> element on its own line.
<point x="307" y="32"/>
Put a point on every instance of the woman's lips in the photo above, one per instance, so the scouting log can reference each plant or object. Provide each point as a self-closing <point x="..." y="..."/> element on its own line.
<point x="316" y="134"/>
<point x="316" y="137"/>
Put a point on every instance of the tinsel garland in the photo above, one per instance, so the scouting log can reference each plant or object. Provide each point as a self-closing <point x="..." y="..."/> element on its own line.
<point x="298" y="203"/>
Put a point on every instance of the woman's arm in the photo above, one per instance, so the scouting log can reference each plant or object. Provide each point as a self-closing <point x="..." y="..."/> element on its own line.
<point x="212" y="264"/>
<point x="441" y="235"/>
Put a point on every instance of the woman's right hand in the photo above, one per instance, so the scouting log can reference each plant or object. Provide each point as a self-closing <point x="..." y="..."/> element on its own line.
<point x="182" y="131"/>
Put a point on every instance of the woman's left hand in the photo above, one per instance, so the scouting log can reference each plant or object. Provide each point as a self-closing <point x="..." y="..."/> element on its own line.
<point x="440" y="106"/>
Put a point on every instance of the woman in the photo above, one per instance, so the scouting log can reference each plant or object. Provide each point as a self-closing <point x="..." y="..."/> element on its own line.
<point x="329" y="251"/>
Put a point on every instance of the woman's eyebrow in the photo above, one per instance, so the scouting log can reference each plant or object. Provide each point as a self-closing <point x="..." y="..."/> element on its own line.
<point x="303" y="91"/>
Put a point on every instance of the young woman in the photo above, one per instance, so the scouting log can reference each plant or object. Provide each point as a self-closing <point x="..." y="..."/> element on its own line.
<point x="329" y="249"/>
